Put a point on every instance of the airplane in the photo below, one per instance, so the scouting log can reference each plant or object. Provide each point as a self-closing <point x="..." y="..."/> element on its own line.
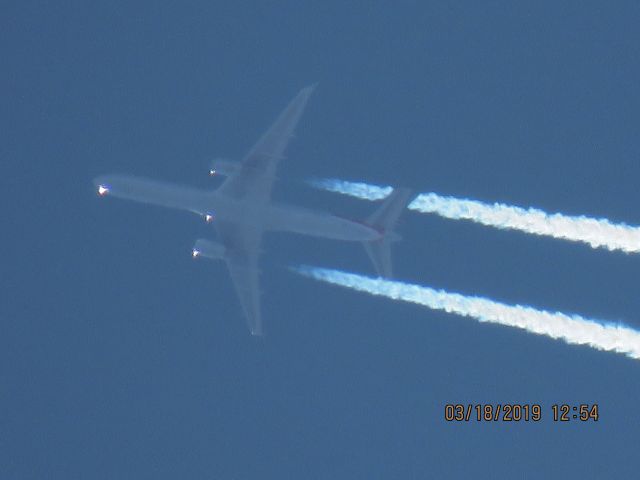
<point x="242" y="211"/>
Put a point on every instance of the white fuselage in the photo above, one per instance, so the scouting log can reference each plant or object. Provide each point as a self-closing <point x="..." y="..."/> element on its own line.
<point x="267" y="216"/>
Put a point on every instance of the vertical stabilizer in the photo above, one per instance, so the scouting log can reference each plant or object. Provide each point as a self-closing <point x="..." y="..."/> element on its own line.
<point x="384" y="220"/>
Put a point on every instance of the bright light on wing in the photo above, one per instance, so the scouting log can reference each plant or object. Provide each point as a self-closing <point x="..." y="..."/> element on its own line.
<point x="102" y="190"/>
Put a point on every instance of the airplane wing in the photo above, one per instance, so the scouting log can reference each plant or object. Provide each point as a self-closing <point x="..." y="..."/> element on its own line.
<point x="253" y="182"/>
<point x="242" y="247"/>
<point x="256" y="174"/>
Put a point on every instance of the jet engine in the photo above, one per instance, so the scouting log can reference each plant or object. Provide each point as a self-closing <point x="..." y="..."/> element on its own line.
<point x="209" y="249"/>
<point x="224" y="167"/>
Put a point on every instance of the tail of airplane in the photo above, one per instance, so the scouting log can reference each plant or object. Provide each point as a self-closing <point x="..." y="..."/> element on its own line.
<point x="384" y="219"/>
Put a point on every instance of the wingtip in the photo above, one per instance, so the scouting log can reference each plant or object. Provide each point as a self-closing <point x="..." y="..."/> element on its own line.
<point x="385" y="273"/>
<point x="310" y="88"/>
<point x="404" y="193"/>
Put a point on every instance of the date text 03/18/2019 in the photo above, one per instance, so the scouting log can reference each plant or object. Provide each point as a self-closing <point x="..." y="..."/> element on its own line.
<point x="519" y="412"/>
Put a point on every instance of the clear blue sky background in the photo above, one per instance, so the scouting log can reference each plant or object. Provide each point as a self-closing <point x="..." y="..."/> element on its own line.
<point x="120" y="357"/>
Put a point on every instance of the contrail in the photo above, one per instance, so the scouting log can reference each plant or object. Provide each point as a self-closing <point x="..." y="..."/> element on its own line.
<point x="572" y="329"/>
<point x="354" y="189"/>
<point x="597" y="232"/>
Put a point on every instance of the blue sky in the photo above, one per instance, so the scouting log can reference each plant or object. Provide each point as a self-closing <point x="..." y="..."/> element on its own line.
<point x="123" y="358"/>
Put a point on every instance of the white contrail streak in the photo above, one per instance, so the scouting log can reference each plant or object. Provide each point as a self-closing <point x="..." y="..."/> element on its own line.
<point x="597" y="232"/>
<point x="354" y="189"/>
<point x="572" y="329"/>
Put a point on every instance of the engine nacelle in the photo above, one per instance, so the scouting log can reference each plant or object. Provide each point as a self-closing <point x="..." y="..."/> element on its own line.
<point x="224" y="167"/>
<point x="209" y="249"/>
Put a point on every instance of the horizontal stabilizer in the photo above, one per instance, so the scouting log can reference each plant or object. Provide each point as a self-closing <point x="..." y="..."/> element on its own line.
<point x="385" y="217"/>
<point x="384" y="220"/>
